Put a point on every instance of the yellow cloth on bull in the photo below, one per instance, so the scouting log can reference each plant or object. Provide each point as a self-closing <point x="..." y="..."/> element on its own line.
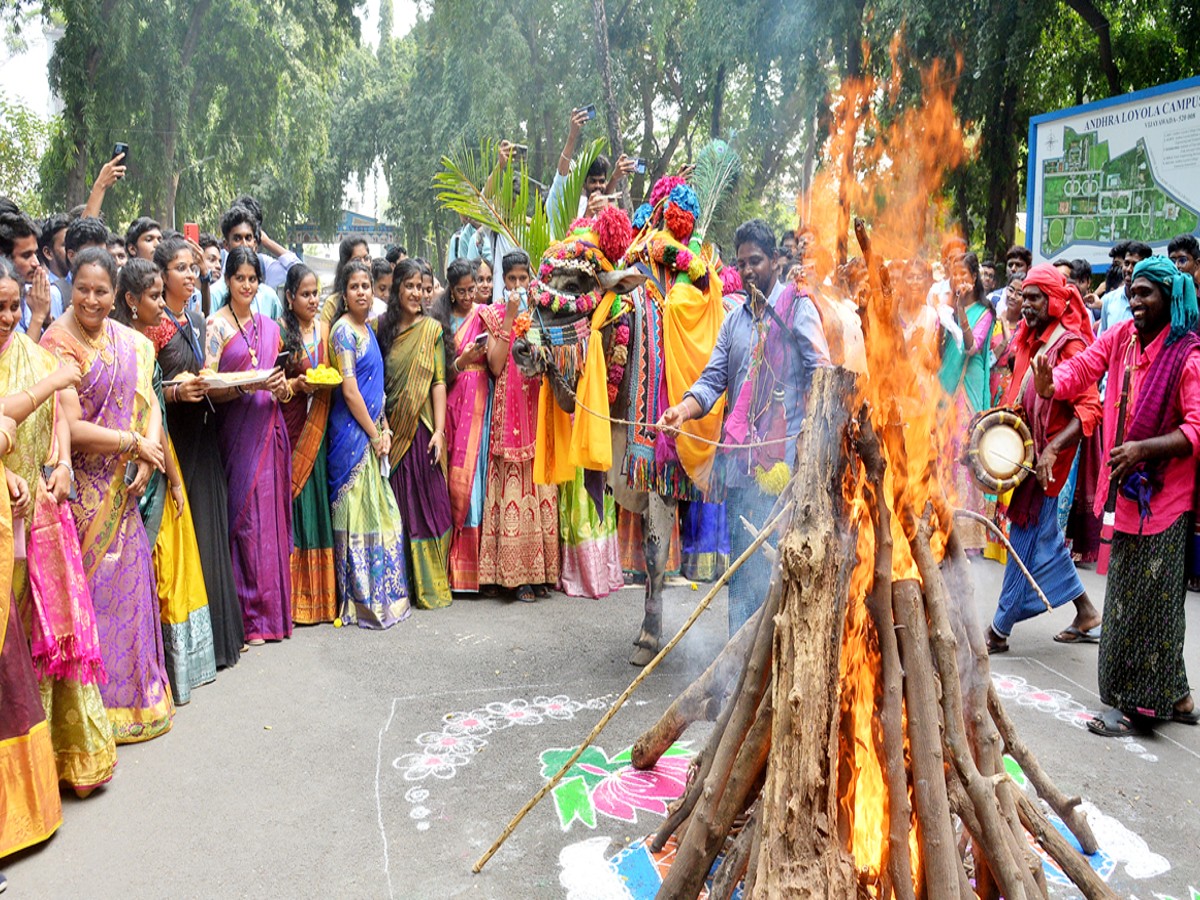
<point x="552" y="440"/>
<point x="591" y="436"/>
<point x="691" y="322"/>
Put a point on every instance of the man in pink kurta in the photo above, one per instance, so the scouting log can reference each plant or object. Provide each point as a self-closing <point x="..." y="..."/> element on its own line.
<point x="1142" y="676"/>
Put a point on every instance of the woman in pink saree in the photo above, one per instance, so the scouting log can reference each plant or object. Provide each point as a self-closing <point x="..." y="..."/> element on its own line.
<point x="116" y="443"/>
<point x="256" y="453"/>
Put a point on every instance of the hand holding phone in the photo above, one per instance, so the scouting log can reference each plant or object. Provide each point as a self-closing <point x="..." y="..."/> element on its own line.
<point x="120" y="148"/>
<point x="639" y="166"/>
<point x="481" y="339"/>
<point x="590" y="109"/>
<point x="131" y="471"/>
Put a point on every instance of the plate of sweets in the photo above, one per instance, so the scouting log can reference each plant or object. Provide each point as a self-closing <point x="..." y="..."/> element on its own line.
<point x="216" y="380"/>
<point x="323" y="376"/>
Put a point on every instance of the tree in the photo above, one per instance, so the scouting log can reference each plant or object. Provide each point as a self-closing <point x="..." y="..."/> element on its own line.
<point x="214" y="97"/>
<point x="24" y="136"/>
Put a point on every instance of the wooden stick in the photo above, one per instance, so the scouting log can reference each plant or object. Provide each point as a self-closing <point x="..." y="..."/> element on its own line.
<point x="938" y="848"/>
<point x="1073" y="865"/>
<point x="1066" y="807"/>
<point x="697" y="702"/>
<point x="709" y="826"/>
<point x="999" y="532"/>
<point x="628" y="692"/>
<point x="891" y="742"/>
<point x="737" y="860"/>
<point x="994" y="831"/>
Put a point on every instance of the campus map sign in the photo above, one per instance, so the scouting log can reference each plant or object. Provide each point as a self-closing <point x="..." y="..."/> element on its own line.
<point x="1124" y="168"/>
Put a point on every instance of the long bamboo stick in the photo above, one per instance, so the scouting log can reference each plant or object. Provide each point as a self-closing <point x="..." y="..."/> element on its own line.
<point x="628" y="692"/>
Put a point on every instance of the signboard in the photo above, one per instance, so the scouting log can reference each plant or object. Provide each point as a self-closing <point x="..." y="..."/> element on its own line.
<point x="372" y="230"/>
<point x="1124" y="168"/>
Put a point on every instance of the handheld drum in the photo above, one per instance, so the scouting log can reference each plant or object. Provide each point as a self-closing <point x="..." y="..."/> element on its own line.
<point x="999" y="449"/>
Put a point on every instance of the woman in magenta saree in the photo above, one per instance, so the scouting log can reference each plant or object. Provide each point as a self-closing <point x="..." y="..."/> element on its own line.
<point x="115" y="421"/>
<point x="256" y="454"/>
<point x="468" y="430"/>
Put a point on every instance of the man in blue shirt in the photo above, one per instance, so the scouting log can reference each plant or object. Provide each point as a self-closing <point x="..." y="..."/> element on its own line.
<point x="239" y="227"/>
<point x="763" y="362"/>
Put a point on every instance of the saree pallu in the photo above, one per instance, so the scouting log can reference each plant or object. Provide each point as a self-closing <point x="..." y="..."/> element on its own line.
<point x="368" y="537"/>
<point x="424" y="505"/>
<point x="79" y="729"/>
<point x="415" y="363"/>
<point x="468" y="430"/>
<point x="182" y="599"/>
<point x="258" y="469"/>
<point x="193" y="427"/>
<point x="314" y="584"/>
<point x="28" y="777"/>
<point x="116" y="392"/>
<point x="1141" y="665"/>
<point x="703" y="540"/>
<point x="591" y="554"/>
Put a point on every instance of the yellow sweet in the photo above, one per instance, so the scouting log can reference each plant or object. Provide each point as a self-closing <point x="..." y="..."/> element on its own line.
<point x="323" y="375"/>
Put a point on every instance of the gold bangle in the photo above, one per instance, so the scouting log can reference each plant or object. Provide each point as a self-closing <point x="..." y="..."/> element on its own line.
<point x="32" y="399"/>
<point x="8" y="438"/>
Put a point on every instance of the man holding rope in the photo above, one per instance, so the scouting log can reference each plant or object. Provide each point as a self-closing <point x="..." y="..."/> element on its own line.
<point x="763" y="361"/>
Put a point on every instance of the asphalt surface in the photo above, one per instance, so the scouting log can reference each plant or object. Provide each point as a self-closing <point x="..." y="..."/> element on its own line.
<point x="299" y="773"/>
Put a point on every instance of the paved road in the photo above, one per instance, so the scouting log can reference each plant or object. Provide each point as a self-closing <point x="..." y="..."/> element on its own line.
<point x="300" y="774"/>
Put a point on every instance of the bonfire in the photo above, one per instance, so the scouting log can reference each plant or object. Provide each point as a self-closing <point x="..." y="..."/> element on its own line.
<point x="858" y="746"/>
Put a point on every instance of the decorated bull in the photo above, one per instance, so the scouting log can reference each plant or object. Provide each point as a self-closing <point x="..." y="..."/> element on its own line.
<point x="620" y="325"/>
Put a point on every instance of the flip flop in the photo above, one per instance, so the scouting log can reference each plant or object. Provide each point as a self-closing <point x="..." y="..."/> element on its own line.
<point x="525" y="594"/>
<point x="1073" y="635"/>
<point x="1192" y="717"/>
<point x="1112" y="723"/>
<point x="995" y="643"/>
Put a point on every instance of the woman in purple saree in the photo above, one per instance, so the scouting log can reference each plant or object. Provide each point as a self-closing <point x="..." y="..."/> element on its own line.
<point x="116" y="443"/>
<point x="256" y="454"/>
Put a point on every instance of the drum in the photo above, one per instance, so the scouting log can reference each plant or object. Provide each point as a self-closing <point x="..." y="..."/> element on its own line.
<point x="999" y="449"/>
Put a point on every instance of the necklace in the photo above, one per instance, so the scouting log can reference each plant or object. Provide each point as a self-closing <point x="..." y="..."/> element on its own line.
<point x="249" y="346"/>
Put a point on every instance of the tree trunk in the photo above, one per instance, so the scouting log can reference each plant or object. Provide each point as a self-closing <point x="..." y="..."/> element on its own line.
<point x="600" y="19"/>
<point x="800" y="854"/>
<point x="1098" y="22"/>
<point x="718" y="102"/>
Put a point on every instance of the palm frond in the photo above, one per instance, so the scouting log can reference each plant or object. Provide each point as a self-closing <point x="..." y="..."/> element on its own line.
<point x="567" y="208"/>
<point x="511" y="205"/>
<point x="718" y="166"/>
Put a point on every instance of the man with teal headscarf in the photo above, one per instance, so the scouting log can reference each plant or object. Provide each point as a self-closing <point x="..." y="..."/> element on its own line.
<point x="1142" y="675"/>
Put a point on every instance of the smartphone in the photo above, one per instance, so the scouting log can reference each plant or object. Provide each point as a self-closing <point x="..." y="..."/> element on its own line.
<point x="481" y="339"/>
<point x="47" y="471"/>
<point x="191" y="231"/>
<point x="590" y="109"/>
<point x="282" y="359"/>
<point x="130" y="472"/>
<point x="119" y="148"/>
<point x="520" y="150"/>
<point x="639" y="166"/>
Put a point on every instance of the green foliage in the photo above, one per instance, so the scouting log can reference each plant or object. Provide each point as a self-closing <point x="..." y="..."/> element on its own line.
<point x="504" y="198"/>
<point x="24" y="137"/>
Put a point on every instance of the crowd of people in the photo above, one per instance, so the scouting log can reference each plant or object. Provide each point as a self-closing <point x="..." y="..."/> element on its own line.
<point x="204" y="447"/>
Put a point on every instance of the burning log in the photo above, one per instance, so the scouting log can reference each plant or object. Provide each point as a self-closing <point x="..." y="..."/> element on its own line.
<point x="783" y="748"/>
<point x="702" y="700"/>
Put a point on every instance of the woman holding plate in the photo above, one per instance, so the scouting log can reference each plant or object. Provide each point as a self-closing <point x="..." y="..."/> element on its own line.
<point x="255" y="451"/>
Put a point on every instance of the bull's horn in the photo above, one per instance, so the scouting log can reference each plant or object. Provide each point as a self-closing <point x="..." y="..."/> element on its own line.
<point x="621" y="281"/>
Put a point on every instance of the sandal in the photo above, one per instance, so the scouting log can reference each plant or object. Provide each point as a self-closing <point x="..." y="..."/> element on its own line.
<point x="1073" y="635"/>
<point x="525" y="594"/>
<point x="995" y="643"/>
<point x="1191" y="717"/>
<point x="1112" y="723"/>
<point x="541" y="591"/>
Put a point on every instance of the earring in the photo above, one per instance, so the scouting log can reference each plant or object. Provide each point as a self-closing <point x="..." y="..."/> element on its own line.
<point x="135" y="314"/>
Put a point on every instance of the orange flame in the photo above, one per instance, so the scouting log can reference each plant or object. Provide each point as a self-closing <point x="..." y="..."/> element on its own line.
<point x="890" y="171"/>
